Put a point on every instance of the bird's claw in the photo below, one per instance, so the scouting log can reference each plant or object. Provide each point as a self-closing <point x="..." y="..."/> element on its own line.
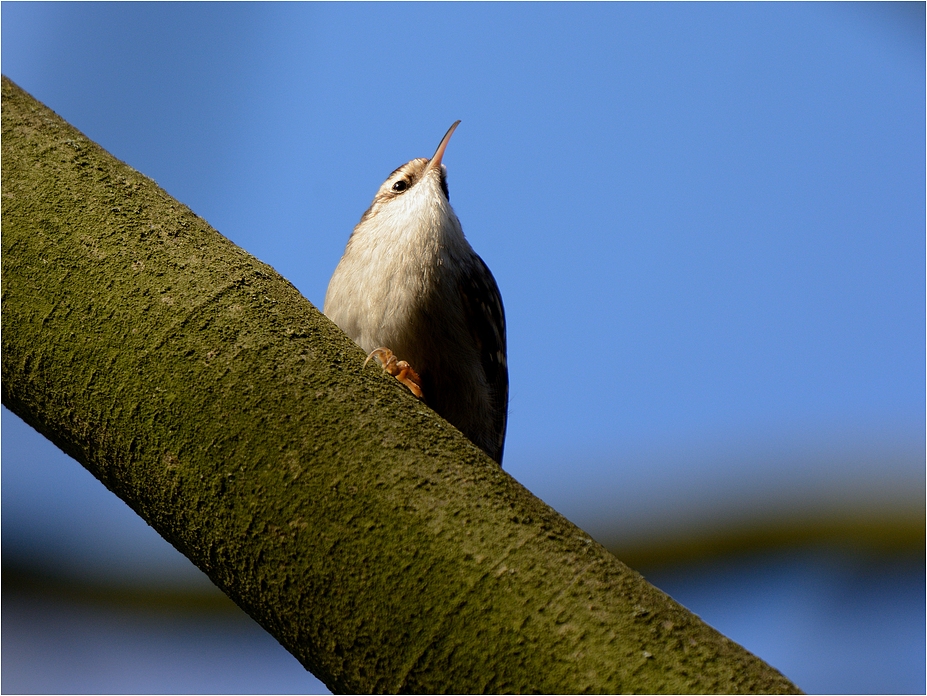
<point x="399" y="369"/>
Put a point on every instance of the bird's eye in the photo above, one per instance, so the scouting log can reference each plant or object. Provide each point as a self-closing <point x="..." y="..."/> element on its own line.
<point x="400" y="185"/>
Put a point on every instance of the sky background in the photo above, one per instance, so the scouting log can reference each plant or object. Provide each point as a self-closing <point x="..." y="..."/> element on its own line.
<point x="707" y="222"/>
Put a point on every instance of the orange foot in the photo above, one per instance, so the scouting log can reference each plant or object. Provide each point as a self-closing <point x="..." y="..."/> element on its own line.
<point x="399" y="369"/>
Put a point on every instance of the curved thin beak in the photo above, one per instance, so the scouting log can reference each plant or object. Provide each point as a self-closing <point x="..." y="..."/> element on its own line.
<point x="435" y="160"/>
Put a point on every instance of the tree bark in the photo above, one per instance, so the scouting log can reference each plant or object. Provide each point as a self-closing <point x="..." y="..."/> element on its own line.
<point x="377" y="544"/>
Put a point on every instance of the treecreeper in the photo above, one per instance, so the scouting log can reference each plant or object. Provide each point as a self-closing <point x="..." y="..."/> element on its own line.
<point x="412" y="293"/>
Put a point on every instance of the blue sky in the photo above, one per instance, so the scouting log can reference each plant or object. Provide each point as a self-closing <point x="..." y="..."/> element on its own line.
<point x="706" y="220"/>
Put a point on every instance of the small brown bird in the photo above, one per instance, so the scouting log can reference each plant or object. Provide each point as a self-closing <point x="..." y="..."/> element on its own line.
<point x="411" y="291"/>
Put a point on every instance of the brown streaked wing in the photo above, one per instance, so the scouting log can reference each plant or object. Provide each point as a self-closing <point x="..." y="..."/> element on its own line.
<point x="486" y="318"/>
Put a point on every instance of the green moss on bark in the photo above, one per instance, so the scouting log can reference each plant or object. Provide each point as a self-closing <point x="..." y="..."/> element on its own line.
<point x="376" y="543"/>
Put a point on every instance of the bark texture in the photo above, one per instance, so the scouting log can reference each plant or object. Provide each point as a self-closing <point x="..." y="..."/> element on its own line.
<point x="377" y="544"/>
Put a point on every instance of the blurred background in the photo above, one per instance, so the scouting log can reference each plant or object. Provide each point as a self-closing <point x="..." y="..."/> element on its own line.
<point x="708" y="225"/>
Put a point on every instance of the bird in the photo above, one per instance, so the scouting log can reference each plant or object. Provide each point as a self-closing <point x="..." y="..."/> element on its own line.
<point x="412" y="293"/>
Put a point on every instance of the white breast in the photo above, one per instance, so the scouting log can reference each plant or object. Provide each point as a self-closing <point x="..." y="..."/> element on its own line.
<point x="392" y="262"/>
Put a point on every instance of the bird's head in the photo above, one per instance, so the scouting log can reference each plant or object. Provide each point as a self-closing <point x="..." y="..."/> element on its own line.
<point x="417" y="185"/>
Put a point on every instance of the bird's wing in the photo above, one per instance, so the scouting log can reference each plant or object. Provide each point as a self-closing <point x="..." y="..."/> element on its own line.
<point x="486" y="319"/>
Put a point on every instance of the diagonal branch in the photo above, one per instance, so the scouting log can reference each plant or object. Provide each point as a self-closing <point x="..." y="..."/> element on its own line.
<point x="378" y="545"/>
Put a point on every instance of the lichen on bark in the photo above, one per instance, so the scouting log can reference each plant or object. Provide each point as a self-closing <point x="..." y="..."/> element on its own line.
<point x="378" y="545"/>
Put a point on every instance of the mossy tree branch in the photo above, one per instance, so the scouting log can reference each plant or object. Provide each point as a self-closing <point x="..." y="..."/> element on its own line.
<point x="369" y="537"/>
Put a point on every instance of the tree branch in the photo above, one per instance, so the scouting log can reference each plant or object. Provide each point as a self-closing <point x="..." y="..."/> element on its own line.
<point x="377" y="544"/>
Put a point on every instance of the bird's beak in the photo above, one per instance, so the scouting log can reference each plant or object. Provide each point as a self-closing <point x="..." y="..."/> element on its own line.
<point x="435" y="160"/>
